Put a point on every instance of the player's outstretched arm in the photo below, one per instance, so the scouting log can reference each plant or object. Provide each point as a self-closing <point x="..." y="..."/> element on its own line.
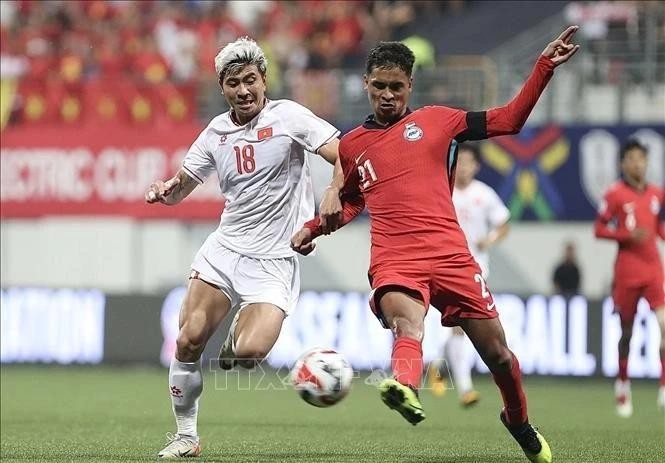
<point x="302" y="242"/>
<point x="171" y="191"/>
<point x="510" y="119"/>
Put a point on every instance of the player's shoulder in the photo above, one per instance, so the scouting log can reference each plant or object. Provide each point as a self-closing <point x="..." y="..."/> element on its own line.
<point x="353" y="138"/>
<point x="481" y="187"/>
<point x="285" y="107"/>
<point x="615" y="190"/>
<point x="657" y="190"/>
<point x="438" y="110"/>
<point x="221" y="123"/>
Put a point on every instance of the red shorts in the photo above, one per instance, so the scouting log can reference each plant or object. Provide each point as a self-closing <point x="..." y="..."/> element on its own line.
<point x="453" y="286"/>
<point x="626" y="297"/>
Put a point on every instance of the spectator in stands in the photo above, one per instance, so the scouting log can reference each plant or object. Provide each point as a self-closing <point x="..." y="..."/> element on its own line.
<point x="566" y="276"/>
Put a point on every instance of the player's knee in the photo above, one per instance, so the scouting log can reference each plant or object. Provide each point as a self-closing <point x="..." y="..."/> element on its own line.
<point x="249" y="354"/>
<point x="626" y="335"/>
<point x="406" y="327"/>
<point x="190" y="344"/>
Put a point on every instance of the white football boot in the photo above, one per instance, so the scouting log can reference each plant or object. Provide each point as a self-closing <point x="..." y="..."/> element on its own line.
<point x="624" y="402"/>
<point x="227" y="354"/>
<point x="180" y="447"/>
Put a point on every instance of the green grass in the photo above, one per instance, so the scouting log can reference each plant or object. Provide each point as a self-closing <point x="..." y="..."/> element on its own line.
<point x="78" y="414"/>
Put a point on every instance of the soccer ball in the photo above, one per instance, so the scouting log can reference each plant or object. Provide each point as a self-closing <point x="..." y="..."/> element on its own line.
<point x="322" y="377"/>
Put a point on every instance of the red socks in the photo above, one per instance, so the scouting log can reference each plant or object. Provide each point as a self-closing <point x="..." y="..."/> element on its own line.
<point x="514" y="400"/>
<point x="407" y="361"/>
<point x="623" y="369"/>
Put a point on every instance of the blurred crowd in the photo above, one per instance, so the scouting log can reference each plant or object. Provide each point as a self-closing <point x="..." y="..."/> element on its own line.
<point x="177" y="40"/>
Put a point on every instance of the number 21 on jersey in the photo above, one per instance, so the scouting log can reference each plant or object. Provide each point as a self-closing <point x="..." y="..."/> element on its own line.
<point x="367" y="174"/>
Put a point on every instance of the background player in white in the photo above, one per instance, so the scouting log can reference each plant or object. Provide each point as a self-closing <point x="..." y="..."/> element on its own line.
<point x="259" y="151"/>
<point x="484" y="220"/>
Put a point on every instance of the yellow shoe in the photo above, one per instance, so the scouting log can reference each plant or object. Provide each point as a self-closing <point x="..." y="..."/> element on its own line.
<point x="533" y="444"/>
<point x="402" y="399"/>
<point x="469" y="399"/>
<point x="435" y="382"/>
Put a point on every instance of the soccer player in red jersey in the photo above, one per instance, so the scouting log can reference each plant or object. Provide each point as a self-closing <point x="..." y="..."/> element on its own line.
<point x="630" y="214"/>
<point x="400" y="164"/>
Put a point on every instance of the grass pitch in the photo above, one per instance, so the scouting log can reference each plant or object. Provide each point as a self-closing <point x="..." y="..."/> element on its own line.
<point x="90" y="414"/>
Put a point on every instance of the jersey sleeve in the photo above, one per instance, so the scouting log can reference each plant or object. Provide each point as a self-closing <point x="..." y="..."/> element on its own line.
<point x="199" y="162"/>
<point x="498" y="213"/>
<point x="351" y="197"/>
<point x="460" y="125"/>
<point x="505" y="120"/>
<point x="309" y="130"/>
<point x="603" y="227"/>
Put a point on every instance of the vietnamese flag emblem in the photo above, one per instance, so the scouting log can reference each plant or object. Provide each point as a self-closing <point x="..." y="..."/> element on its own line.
<point x="265" y="133"/>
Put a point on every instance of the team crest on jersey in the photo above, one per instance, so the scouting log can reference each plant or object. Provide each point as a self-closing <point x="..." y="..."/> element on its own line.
<point x="655" y="205"/>
<point x="222" y="139"/>
<point x="412" y="132"/>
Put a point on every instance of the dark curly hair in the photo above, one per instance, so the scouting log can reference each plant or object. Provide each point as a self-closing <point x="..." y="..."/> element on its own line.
<point x="632" y="144"/>
<point x="390" y="55"/>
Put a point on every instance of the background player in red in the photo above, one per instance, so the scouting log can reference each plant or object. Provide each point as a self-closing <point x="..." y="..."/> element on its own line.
<point x="630" y="215"/>
<point x="400" y="164"/>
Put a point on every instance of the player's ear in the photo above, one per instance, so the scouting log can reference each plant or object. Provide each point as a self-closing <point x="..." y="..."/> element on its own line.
<point x="365" y="81"/>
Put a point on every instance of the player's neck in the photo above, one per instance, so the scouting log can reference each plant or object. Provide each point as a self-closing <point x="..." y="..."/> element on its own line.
<point x="639" y="185"/>
<point x="242" y="121"/>
<point x="391" y="121"/>
<point x="462" y="185"/>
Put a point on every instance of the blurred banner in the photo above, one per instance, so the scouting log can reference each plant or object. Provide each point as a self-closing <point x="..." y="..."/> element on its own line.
<point x="103" y="170"/>
<point x="546" y="173"/>
<point x="35" y="103"/>
<point x="561" y="173"/>
<point x="550" y="335"/>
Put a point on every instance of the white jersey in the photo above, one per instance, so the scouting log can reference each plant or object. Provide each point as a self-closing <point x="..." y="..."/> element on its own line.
<point x="263" y="174"/>
<point x="479" y="211"/>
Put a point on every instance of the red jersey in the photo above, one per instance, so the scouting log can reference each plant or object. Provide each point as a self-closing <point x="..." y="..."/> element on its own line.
<point x="623" y="210"/>
<point x="404" y="173"/>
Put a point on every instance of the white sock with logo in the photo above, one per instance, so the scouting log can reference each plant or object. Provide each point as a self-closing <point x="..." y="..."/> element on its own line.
<point x="460" y="363"/>
<point x="185" y="386"/>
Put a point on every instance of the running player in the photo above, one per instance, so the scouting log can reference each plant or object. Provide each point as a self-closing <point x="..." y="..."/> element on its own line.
<point x="630" y="214"/>
<point x="258" y="150"/>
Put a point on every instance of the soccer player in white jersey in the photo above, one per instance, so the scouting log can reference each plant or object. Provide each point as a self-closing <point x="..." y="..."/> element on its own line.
<point x="484" y="220"/>
<point x="259" y="151"/>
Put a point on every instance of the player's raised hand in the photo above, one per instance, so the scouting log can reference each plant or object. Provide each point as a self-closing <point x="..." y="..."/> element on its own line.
<point x="330" y="211"/>
<point x="561" y="50"/>
<point x="302" y="242"/>
<point x="159" y="190"/>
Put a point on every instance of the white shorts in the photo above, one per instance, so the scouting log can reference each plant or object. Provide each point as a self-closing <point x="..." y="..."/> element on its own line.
<point x="246" y="280"/>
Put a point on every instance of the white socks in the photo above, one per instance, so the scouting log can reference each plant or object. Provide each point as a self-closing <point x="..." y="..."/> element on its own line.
<point x="456" y="352"/>
<point x="185" y="386"/>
